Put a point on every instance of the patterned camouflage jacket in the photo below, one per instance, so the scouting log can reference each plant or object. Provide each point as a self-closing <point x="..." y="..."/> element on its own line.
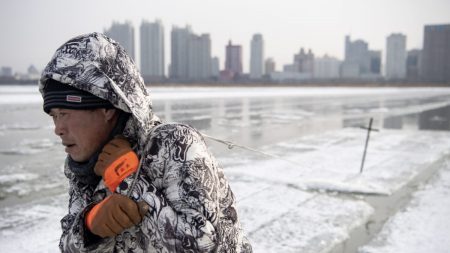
<point x="192" y="208"/>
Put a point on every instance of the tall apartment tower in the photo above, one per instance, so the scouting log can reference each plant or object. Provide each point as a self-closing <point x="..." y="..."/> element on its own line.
<point x="413" y="65"/>
<point x="435" y="56"/>
<point x="375" y="62"/>
<point x="357" y="58"/>
<point x="152" y="50"/>
<point x="304" y="62"/>
<point x="191" y="55"/>
<point x="396" y="56"/>
<point x="326" y="67"/>
<point x="199" y="57"/>
<point x="270" y="66"/>
<point x="179" y="52"/>
<point x="6" y="71"/>
<point x="257" y="57"/>
<point x="123" y="33"/>
<point x="233" y="59"/>
<point x="215" y="67"/>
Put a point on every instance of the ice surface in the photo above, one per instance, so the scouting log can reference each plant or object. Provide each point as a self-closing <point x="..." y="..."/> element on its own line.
<point x="19" y="127"/>
<point x="33" y="227"/>
<point x="331" y="161"/>
<point x="14" y="178"/>
<point x="309" y="205"/>
<point x="315" y="225"/>
<point x="423" y="226"/>
<point x="278" y="210"/>
<point x="282" y="214"/>
<point x="27" y="147"/>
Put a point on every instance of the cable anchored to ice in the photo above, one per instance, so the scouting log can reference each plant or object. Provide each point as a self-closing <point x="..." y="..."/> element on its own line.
<point x="231" y="145"/>
<point x="349" y="179"/>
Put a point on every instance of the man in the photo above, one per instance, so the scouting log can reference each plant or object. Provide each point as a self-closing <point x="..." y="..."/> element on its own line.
<point x="179" y="199"/>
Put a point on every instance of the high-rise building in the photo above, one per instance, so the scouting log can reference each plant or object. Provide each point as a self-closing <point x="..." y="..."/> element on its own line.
<point x="396" y="56"/>
<point x="357" y="59"/>
<point x="123" y="33"/>
<point x="152" y="50"/>
<point x="413" y="65"/>
<point x="233" y="60"/>
<point x="435" y="57"/>
<point x="375" y="62"/>
<point x="32" y="70"/>
<point x="179" y="52"/>
<point x="326" y="67"/>
<point x="191" y="55"/>
<point x="304" y="61"/>
<point x="215" y="67"/>
<point x="257" y="57"/>
<point x="301" y="69"/>
<point x="199" y="57"/>
<point x="6" y="71"/>
<point x="270" y="66"/>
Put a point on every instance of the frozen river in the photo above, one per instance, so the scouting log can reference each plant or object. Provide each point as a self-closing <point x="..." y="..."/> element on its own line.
<point x="315" y="122"/>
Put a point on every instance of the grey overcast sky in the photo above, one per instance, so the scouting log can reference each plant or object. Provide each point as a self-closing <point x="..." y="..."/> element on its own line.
<point x="31" y="30"/>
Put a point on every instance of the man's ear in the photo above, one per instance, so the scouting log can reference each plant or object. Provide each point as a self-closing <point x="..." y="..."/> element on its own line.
<point x="110" y="114"/>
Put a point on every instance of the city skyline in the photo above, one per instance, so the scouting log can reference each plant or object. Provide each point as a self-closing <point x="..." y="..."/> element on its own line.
<point x="36" y="31"/>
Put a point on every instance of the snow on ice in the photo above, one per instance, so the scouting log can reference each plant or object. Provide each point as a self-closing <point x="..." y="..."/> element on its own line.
<point x="287" y="208"/>
<point x="311" y="204"/>
<point x="423" y="226"/>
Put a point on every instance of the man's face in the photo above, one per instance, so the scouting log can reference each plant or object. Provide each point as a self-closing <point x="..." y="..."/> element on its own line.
<point x="83" y="132"/>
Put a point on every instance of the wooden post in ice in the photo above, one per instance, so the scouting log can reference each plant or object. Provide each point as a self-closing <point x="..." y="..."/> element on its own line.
<point x="369" y="129"/>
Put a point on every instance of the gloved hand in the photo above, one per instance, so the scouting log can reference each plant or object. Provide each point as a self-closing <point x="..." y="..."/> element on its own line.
<point x="114" y="214"/>
<point x="116" y="162"/>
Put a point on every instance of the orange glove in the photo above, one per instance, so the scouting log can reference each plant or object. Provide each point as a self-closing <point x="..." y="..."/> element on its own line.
<point x="114" y="214"/>
<point x="116" y="162"/>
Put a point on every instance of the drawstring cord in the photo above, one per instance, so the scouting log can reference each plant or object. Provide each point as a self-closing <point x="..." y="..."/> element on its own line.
<point x="147" y="147"/>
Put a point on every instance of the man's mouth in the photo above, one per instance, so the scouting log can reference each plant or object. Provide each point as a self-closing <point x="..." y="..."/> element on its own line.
<point x="68" y="146"/>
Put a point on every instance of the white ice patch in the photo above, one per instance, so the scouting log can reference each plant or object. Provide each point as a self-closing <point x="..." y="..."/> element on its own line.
<point x="18" y="184"/>
<point x="348" y="186"/>
<point x="19" y="127"/>
<point x="278" y="212"/>
<point x="380" y="110"/>
<point x="184" y="93"/>
<point x="280" y="215"/>
<point x="315" y="225"/>
<point x="33" y="227"/>
<point x="20" y="99"/>
<point x="423" y="226"/>
<point x="15" y="178"/>
<point x="28" y="147"/>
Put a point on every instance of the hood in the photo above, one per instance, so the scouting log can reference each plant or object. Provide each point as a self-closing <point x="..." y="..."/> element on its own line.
<point x="99" y="65"/>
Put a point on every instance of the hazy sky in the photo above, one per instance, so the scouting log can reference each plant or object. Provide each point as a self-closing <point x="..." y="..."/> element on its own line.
<point x="31" y="30"/>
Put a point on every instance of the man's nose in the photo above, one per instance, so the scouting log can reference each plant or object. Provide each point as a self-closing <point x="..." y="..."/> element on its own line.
<point x="59" y="128"/>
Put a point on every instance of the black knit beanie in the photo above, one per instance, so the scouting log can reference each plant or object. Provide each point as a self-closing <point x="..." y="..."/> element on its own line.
<point x="60" y="95"/>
